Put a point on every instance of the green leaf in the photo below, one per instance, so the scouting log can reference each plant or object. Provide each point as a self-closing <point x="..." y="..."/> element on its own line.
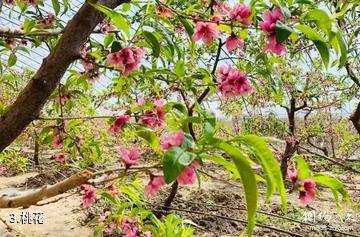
<point x="153" y="41"/>
<point x="249" y="181"/>
<point x="28" y="26"/>
<point x="56" y="6"/>
<point x="229" y="166"/>
<point x="209" y="126"/>
<point x="282" y="31"/>
<point x="188" y="27"/>
<point x="115" y="46"/>
<point x="116" y="18"/>
<point x="108" y="39"/>
<point x="150" y="137"/>
<point x="322" y="20"/>
<point x="273" y="176"/>
<point x="12" y="60"/>
<point x="310" y="33"/>
<point x="343" y="49"/>
<point x="120" y="22"/>
<point x="174" y="105"/>
<point x="180" y="68"/>
<point x="175" y="161"/>
<point x="188" y="142"/>
<point x="108" y="196"/>
<point x="324" y="52"/>
<point x="302" y="167"/>
<point x="334" y="184"/>
<point x="107" y="11"/>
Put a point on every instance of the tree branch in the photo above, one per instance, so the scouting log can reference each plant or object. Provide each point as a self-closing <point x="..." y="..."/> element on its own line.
<point x="30" y="101"/>
<point x="46" y="191"/>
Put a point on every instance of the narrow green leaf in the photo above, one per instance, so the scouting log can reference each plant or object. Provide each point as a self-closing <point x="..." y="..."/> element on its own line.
<point x="249" y="182"/>
<point x="175" y="161"/>
<point x="56" y="6"/>
<point x="332" y="183"/>
<point x="302" y="167"/>
<point x="322" y="20"/>
<point x="180" y="68"/>
<point x="324" y="52"/>
<point x="273" y="176"/>
<point x="343" y="49"/>
<point x="153" y="42"/>
<point x="188" y="27"/>
<point x="12" y="60"/>
<point x="121" y="23"/>
<point x="229" y="166"/>
<point x="310" y="33"/>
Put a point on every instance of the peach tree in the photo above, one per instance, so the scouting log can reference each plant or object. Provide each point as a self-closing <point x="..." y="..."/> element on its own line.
<point x="162" y="62"/>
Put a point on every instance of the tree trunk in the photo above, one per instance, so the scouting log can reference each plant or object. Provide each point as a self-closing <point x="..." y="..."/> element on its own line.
<point x="355" y="118"/>
<point x="32" y="98"/>
<point x="290" y="147"/>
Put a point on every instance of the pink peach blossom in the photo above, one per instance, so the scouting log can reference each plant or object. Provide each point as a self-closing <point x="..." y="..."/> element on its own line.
<point x="241" y="13"/>
<point x="154" y="185"/>
<point x="147" y="234"/>
<point x="87" y="65"/>
<point x="175" y="139"/>
<point x="188" y="175"/>
<point x="118" y="124"/>
<point x="222" y="8"/>
<point x="270" y="19"/>
<point x="274" y="46"/>
<point x="106" y="27"/>
<point x="128" y="59"/>
<point x="129" y="227"/>
<point x="113" y="189"/>
<point x="307" y="195"/>
<point x="269" y="26"/>
<point x="57" y="139"/>
<point x="130" y="157"/>
<point x="89" y="195"/>
<point x="155" y="118"/>
<point x="12" y="43"/>
<point x="233" y="42"/>
<point x="103" y="217"/>
<point x="110" y="228"/>
<point x="233" y="82"/>
<point x="48" y="20"/>
<point x="61" y="100"/>
<point x="205" y="31"/>
<point x="140" y="102"/>
<point x="163" y="11"/>
<point x="292" y="175"/>
<point x="60" y="157"/>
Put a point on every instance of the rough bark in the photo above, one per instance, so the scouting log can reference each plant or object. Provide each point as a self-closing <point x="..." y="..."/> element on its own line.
<point x="355" y="118"/>
<point x="30" y="101"/>
<point x="45" y="192"/>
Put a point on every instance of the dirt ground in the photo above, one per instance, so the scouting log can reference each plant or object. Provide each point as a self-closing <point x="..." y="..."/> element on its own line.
<point x="216" y="208"/>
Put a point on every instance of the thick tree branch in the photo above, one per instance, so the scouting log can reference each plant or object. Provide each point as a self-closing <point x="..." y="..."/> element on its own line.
<point x="33" y="97"/>
<point x="355" y="118"/>
<point x="46" y="191"/>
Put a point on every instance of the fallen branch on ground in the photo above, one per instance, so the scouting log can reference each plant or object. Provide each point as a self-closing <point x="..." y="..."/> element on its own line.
<point x="45" y="192"/>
